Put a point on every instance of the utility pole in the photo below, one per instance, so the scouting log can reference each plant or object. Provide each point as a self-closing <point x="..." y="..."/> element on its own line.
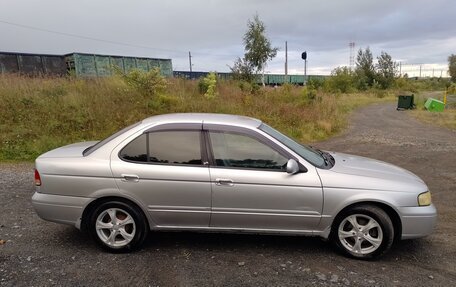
<point x="420" y="70"/>
<point x="305" y="71"/>
<point x="286" y="62"/>
<point x="400" y="69"/>
<point x="190" y="60"/>
<point x="304" y="57"/>
<point x="352" y="55"/>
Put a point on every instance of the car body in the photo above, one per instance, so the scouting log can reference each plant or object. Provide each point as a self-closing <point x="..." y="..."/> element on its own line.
<point x="214" y="172"/>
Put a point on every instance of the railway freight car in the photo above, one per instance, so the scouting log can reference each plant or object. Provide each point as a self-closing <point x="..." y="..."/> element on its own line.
<point x="32" y="64"/>
<point x="94" y="65"/>
<point x="196" y="75"/>
<point x="269" y="79"/>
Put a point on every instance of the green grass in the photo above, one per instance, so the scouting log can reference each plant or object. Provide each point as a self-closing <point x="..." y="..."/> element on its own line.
<point x="39" y="114"/>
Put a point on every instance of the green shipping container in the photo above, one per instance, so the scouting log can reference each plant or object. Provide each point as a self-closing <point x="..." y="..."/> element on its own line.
<point x="434" y="105"/>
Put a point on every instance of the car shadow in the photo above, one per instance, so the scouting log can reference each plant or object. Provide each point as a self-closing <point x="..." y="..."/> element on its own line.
<point x="407" y="250"/>
<point x="234" y="242"/>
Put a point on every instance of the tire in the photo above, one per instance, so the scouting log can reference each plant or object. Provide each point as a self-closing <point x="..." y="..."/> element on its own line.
<point x="363" y="232"/>
<point x="118" y="226"/>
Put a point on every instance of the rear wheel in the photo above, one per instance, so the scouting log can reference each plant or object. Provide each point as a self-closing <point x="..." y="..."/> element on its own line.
<point x="363" y="232"/>
<point x="118" y="226"/>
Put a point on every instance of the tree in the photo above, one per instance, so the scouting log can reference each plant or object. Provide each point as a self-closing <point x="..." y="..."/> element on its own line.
<point x="452" y="67"/>
<point x="242" y="70"/>
<point x="258" y="49"/>
<point x="365" y="70"/>
<point x="386" y="70"/>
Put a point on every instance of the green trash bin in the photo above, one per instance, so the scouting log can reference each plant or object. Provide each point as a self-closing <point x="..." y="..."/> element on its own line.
<point x="434" y="105"/>
<point x="405" y="102"/>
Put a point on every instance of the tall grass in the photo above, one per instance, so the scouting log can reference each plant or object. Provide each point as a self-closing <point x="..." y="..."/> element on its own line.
<point x="39" y="114"/>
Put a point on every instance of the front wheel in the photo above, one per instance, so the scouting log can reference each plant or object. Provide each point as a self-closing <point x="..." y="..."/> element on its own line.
<point x="118" y="226"/>
<point x="363" y="232"/>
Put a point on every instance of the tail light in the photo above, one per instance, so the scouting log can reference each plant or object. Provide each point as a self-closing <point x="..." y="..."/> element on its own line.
<point x="37" y="178"/>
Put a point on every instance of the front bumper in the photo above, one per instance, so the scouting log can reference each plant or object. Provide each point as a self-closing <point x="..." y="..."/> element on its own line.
<point x="59" y="208"/>
<point x="417" y="221"/>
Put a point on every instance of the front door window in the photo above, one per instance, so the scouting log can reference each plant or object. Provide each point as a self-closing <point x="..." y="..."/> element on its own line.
<point x="234" y="150"/>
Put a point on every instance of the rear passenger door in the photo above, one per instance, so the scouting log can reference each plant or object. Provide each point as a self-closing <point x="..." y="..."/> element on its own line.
<point x="165" y="170"/>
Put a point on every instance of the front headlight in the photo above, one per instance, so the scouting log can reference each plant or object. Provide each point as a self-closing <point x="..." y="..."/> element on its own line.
<point x="424" y="198"/>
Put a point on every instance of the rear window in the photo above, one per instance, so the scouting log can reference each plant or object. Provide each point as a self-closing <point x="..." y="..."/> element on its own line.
<point x="99" y="144"/>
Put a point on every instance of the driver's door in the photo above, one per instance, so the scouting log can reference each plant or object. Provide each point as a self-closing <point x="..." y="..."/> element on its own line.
<point x="251" y="189"/>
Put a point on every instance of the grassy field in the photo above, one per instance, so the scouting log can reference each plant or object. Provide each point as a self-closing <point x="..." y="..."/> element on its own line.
<point x="39" y="114"/>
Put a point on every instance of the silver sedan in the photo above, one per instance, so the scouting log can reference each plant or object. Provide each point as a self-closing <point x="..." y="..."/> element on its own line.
<point x="212" y="172"/>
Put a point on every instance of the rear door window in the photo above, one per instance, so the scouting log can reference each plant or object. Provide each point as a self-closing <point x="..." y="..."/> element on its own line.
<point x="175" y="147"/>
<point x="165" y="147"/>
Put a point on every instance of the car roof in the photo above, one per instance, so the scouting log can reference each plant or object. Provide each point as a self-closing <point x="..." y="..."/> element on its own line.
<point x="207" y="118"/>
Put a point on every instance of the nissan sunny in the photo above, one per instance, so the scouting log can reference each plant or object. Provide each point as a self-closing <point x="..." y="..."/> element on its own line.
<point x="227" y="173"/>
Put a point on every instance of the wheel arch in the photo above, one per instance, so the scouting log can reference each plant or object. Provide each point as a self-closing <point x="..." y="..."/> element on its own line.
<point x="93" y="204"/>
<point x="390" y="211"/>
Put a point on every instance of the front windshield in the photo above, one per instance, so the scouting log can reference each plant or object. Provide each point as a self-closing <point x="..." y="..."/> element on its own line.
<point x="304" y="151"/>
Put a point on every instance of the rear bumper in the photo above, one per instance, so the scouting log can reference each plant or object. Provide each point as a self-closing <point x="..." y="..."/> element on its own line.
<point x="59" y="208"/>
<point x="417" y="221"/>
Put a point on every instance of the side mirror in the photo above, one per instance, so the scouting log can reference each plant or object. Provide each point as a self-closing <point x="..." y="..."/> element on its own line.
<point x="292" y="166"/>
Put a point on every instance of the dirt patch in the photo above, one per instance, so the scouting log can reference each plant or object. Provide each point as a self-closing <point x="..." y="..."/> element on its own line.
<point x="40" y="253"/>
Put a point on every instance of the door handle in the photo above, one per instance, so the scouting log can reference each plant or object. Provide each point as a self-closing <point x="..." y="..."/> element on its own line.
<point x="130" y="177"/>
<point x="224" y="181"/>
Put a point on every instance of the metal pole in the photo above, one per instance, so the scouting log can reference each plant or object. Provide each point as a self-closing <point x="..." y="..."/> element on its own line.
<point x="305" y="71"/>
<point x="190" y="60"/>
<point x="286" y="62"/>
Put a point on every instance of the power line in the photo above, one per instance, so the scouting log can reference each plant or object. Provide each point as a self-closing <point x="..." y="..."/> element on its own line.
<point x="104" y="40"/>
<point x="86" y="37"/>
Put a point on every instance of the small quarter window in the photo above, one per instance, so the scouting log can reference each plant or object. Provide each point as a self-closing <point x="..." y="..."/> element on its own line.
<point x="136" y="150"/>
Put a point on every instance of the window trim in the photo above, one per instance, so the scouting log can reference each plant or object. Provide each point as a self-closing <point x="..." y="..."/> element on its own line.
<point x="203" y="154"/>
<point x="207" y="129"/>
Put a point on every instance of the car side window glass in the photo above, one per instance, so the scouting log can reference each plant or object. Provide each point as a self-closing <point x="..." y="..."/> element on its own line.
<point x="242" y="151"/>
<point x="175" y="147"/>
<point x="136" y="150"/>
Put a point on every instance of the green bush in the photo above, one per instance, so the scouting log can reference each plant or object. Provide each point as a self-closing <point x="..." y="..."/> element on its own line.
<point x="249" y="88"/>
<point x="316" y="83"/>
<point x="208" y="85"/>
<point x="342" y="80"/>
<point x="147" y="83"/>
<point x="310" y="93"/>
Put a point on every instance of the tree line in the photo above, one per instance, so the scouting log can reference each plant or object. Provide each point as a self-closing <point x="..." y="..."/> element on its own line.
<point x="366" y="74"/>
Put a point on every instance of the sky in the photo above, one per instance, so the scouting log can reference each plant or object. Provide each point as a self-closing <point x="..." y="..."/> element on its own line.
<point x="417" y="33"/>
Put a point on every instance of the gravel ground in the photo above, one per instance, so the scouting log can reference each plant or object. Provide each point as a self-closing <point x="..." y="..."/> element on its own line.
<point x="38" y="253"/>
